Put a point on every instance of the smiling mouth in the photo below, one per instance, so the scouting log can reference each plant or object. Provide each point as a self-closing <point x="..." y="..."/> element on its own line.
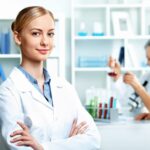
<point x="43" y="51"/>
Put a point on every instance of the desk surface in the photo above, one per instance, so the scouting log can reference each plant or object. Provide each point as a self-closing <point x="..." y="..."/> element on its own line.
<point x="125" y="135"/>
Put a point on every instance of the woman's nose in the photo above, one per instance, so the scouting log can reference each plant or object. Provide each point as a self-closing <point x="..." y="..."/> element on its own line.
<point x="44" y="40"/>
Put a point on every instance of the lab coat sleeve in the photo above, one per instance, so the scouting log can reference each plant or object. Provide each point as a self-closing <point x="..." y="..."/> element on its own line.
<point x="9" y="98"/>
<point x="120" y="87"/>
<point x="124" y="90"/>
<point x="9" y="115"/>
<point x="121" y="91"/>
<point x="90" y="140"/>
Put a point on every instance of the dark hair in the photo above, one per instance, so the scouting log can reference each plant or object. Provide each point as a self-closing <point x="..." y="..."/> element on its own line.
<point x="26" y="15"/>
<point x="147" y="44"/>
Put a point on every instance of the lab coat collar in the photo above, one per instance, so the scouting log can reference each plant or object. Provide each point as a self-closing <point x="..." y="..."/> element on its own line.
<point x="23" y="85"/>
<point x="21" y="82"/>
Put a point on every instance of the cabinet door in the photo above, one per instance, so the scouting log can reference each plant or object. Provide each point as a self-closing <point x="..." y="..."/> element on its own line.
<point x="9" y="51"/>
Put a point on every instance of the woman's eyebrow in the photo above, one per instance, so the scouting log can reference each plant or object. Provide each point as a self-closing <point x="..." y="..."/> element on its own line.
<point x="51" y="29"/>
<point x="41" y="29"/>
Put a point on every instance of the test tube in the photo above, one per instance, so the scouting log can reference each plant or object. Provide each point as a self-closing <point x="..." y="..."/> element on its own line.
<point x="105" y="111"/>
<point x="100" y="110"/>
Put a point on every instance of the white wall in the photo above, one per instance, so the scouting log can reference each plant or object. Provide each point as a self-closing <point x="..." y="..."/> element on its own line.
<point x="10" y="8"/>
<point x="13" y="7"/>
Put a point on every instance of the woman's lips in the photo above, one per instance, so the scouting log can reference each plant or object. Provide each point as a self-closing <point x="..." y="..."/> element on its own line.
<point x="43" y="51"/>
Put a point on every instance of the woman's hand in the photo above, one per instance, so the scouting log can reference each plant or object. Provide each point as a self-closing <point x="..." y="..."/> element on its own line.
<point x="78" y="129"/>
<point x="143" y="116"/>
<point x="24" y="138"/>
<point x="116" y="69"/>
<point x="131" y="79"/>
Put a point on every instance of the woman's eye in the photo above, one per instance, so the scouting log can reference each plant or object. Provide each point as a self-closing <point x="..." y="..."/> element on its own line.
<point x="51" y="34"/>
<point x="35" y="33"/>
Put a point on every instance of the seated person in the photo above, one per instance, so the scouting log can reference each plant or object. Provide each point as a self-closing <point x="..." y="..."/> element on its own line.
<point x="141" y="88"/>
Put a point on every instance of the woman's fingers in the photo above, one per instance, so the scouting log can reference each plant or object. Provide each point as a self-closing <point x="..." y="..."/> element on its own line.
<point x="24" y="143"/>
<point x="115" y="68"/>
<point x="20" y="138"/>
<point x="22" y="132"/>
<point x="81" y="126"/>
<point x="141" y="116"/>
<point x="73" y="127"/>
<point x="24" y="138"/>
<point x="18" y="132"/>
<point x="111" y="62"/>
<point x="78" y="129"/>
<point x="129" y="78"/>
<point x="23" y="126"/>
<point x="83" y="129"/>
<point x="147" y="117"/>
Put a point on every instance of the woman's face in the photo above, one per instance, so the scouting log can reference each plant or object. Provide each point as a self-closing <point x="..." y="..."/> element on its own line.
<point x="36" y="39"/>
<point x="148" y="55"/>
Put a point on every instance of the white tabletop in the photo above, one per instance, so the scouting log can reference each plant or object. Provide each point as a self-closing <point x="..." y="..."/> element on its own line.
<point x="125" y="134"/>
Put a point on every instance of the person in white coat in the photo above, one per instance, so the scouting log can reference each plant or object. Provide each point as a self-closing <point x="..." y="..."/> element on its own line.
<point x="140" y="88"/>
<point x="37" y="111"/>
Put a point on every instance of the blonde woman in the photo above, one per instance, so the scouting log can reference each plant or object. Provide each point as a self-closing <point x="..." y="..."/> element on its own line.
<point x="39" y="112"/>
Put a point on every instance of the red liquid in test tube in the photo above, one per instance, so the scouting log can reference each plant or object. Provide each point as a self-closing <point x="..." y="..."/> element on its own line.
<point x="100" y="110"/>
<point x="112" y="74"/>
<point x="105" y="111"/>
<point x="111" y="102"/>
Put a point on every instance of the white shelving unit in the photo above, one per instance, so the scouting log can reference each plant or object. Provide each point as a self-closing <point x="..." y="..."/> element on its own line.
<point x="85" y="47"/>
<point x="55" y="64"/>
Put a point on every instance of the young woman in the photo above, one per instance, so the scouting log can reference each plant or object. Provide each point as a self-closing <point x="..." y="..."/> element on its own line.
<point x="39" y="112"/>
<point x="141" y="87"/>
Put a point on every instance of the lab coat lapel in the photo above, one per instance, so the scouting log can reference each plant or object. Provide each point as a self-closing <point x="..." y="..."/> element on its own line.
<point x="56" y="87"/>
<point x="23" y="85"/>
<point x="40" y="98"/>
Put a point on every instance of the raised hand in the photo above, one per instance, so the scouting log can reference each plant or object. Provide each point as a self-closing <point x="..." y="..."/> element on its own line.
<point x="131" y="79"/>
<point x="116" y="69"/>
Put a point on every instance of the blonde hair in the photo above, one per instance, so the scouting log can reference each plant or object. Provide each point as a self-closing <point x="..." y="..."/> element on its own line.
<point x="147" y="44"/>
<point x="26" y="15"/>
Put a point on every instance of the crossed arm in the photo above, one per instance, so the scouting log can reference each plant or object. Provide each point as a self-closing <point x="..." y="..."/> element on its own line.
<point x="24" y="138"/>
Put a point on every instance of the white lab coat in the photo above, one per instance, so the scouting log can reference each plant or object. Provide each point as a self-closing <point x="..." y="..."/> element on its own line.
<point x="123" y="92"/>
<point x="21" y="101"/>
